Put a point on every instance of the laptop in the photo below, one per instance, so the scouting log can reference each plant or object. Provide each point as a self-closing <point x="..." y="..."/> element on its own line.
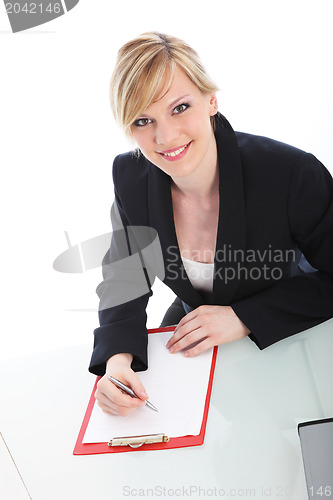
<point x="317" y="450"/>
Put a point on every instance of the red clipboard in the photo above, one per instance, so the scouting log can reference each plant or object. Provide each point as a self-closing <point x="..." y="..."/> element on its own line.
<point x="177" y="442"/>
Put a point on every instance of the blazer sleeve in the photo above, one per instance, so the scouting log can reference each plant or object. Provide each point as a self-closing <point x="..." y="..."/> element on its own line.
<point x="124" y="294"/>
<point x="301" y="302"/>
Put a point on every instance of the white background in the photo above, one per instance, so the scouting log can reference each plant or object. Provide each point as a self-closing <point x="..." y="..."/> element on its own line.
<point x="272" y="61"/>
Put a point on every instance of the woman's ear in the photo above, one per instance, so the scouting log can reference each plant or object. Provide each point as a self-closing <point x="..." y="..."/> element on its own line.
<point x="213" y="106"/>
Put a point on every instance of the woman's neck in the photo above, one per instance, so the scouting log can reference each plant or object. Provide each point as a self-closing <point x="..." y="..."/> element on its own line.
<point x="201" y="184"/>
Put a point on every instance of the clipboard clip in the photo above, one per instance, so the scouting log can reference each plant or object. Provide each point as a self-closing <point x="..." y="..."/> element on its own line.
<point x="137" y="441"/>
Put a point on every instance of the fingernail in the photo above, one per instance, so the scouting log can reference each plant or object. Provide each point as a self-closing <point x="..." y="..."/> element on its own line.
<point x="144" y="393"/>
<point x="186" y="354"/>
<point x="171" y="350"/>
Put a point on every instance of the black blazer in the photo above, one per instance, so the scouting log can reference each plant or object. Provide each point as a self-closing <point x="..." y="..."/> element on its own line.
<point x="276" y="203"/>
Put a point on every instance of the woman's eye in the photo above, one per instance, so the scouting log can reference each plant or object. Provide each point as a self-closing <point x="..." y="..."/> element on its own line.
<point x="141" y="122"/>
<point x="180" y="108"/>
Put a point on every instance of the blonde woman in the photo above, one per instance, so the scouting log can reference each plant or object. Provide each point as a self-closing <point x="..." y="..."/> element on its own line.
<point x="245" y="223"/>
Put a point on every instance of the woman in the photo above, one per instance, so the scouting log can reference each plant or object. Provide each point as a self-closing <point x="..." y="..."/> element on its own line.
<point x="245" y="223"/>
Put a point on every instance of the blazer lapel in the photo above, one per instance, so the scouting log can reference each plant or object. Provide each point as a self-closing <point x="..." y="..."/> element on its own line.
<point x="230" y="242"/>
<point x="161" y="218"/>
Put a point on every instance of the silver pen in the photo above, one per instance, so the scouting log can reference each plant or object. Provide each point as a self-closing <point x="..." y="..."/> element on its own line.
<point x="129" y="391"/>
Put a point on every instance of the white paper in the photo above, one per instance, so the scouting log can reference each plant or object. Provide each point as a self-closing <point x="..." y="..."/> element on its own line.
<point x="11" y="483"/>
<point x="176" y="385"/>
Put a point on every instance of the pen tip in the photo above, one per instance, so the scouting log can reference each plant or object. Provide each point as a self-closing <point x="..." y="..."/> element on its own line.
<point x="150" y="405"/>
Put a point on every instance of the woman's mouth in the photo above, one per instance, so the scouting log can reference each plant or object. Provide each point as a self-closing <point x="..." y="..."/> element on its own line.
<point x="175" y="154"/>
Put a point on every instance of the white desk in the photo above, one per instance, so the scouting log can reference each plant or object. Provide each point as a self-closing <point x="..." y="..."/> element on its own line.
<point x="251" y="448"/>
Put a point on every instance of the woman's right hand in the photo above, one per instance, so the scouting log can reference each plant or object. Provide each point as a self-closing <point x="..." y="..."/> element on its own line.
<point x="109" y="397"/>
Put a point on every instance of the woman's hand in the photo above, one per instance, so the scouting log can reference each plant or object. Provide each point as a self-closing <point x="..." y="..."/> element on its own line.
<point x="207" y="326"/>
<point x="109" y="397"/>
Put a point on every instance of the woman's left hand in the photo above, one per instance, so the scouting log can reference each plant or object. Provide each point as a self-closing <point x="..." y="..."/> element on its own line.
<point x="209" y="326"/>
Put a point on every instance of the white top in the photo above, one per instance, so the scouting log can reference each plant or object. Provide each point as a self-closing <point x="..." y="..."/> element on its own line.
<point x="200" y="274"/>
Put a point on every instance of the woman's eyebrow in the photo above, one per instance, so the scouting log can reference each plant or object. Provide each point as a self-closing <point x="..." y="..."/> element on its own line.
<point x="177" y="100"/>
<point x="170" y="106"/>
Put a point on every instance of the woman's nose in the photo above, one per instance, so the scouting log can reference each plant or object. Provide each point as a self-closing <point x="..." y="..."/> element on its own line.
<point x="166" y="133"/>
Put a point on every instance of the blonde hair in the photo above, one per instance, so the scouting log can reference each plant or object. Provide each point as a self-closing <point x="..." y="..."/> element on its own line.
<point x="141" y="68"/>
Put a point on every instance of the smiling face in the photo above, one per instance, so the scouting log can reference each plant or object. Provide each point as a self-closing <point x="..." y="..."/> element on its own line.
<point x="175" y="131"/>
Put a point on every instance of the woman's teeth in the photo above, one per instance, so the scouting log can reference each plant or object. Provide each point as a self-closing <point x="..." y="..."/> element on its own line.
<point x="176" y="153"/>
